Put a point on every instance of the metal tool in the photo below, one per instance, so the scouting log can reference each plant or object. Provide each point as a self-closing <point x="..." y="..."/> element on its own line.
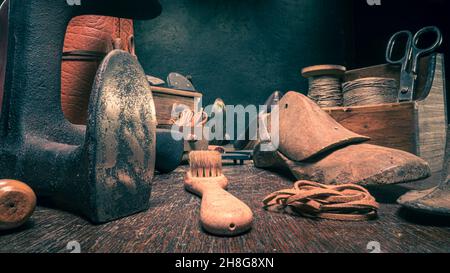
<point x="180" y="82"/>
<point x="238" y="156"/>
<point x="154" y="81"/>
<point x="241" y="155"/>
<point x="409" y="61"/>
<point x="435" y="200"/>
<point x="244" y="141"/>
<point x="103" y="170"/>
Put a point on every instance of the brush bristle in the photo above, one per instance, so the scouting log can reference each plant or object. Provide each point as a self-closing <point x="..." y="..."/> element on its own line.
<point x="205" y="163"/>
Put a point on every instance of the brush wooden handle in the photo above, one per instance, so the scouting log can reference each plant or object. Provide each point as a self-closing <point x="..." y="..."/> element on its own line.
<point x="223" y="214"/>
<point x="17" y="203"/>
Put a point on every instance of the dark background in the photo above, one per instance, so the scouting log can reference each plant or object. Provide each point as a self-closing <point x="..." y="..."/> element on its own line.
<point x="242" y="50"/>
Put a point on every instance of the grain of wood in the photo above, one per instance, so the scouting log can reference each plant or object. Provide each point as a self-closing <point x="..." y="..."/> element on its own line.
<point x="171" y="225"/>
<point x="388" y="125"/>
<point x="165" y="98"/>
<point x="432" y="120"/>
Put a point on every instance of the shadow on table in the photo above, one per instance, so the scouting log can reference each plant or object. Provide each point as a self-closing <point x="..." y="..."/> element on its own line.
<point x="28" y="225"/>
<point x="424" y="219"/>
<point x="387" y="194"/>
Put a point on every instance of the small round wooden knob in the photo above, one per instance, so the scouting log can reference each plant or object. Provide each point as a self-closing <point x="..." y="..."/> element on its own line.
<point x="17" y="203"/>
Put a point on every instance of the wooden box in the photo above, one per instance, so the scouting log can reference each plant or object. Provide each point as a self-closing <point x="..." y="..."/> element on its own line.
<point x="418" y="127"/>
<point x="165" y="98"/>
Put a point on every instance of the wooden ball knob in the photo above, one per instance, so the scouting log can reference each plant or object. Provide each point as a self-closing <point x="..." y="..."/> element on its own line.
<point x="17" y="203"/>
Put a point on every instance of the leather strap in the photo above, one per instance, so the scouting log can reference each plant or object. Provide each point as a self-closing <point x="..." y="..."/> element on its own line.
<point x="347" y="202"/>
<point x="83" y="55"/>
<point x="96" y="56"/>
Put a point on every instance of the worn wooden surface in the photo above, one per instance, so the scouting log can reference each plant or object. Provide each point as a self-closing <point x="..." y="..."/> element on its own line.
<point x="432" y="120"/>
<point x="390" y="125"/>
<point x="172" y="225"/>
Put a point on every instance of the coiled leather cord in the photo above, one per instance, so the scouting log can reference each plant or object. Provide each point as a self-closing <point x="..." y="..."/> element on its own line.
<point x="347" y="202"/>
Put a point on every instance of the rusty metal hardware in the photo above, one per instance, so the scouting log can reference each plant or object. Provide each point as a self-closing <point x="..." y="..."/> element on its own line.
<point x="409" y="61"/>
<point x="103" y="170"/>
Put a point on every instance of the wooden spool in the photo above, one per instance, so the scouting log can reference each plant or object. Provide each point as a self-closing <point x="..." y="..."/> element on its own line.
<point x="325" y="84"/>
<point x="17" y="204"/>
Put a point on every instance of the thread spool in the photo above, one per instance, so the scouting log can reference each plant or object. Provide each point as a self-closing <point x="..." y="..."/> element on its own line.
<point x="370" y="91"/>
<point x="325" y="84"/>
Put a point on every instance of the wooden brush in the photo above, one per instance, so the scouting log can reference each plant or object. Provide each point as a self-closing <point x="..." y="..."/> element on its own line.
<point x="221" y="213"/>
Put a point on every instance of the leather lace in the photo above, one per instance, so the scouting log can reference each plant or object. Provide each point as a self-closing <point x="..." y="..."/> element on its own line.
<point x="347" y="202"/>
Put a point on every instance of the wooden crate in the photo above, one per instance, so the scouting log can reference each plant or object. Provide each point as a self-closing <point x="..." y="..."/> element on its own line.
<point x="165" y="98"/>
<point x="418" y="127"/>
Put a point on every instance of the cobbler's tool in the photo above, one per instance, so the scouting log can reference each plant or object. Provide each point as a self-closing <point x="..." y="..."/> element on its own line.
<point x="348" y="202"/>
<point x="17" y="203"/>
<point x="165" y="98"/>
<point x="437" y="199"/>
<point x="154" y="81"/>
<point x="219" y="127"/>
<point x="221" y="213"/>
<point x="370" y="91"/>
<point x="314" y="147"/>
<point x="169" y="150"/>
<point x="325" y="84"/>
<point x="103" y="170"/>
<point x="238" y="156"/>
<point x="189" y="120"/>
<point x="180" y="82"/>
<point x="247" y="142"/>
<point x="409" y="61"/>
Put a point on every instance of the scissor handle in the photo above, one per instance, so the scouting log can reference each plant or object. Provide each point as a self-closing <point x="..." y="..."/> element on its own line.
<point x="391" y="44"/>
<point x="417" y="52"/>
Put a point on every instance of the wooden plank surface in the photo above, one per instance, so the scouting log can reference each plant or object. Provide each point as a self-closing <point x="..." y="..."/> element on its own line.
<point x="432" y="120"/>
<point x="389" y="125"/>
<point x="165" y="98"/>
<point x="175" y="92"/>
<point x="171" y="225"/>
<point x="164" y="104"/>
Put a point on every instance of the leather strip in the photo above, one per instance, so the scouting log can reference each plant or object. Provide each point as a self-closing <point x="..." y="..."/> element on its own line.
<point x="347" y="202"/>
<point x="83" y="55"/>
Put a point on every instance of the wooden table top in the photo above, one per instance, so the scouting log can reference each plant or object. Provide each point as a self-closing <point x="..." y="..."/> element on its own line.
<point x="171" y="224"/>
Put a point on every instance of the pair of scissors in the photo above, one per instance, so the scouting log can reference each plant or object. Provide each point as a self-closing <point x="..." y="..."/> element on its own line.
<point x="409" y="61"/>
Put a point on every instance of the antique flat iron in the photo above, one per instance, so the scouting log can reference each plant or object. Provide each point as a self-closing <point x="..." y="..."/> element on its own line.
<point x="103" y="170"/>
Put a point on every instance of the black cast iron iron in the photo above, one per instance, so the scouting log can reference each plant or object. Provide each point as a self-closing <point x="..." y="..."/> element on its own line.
<point x="103" y="170"/>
